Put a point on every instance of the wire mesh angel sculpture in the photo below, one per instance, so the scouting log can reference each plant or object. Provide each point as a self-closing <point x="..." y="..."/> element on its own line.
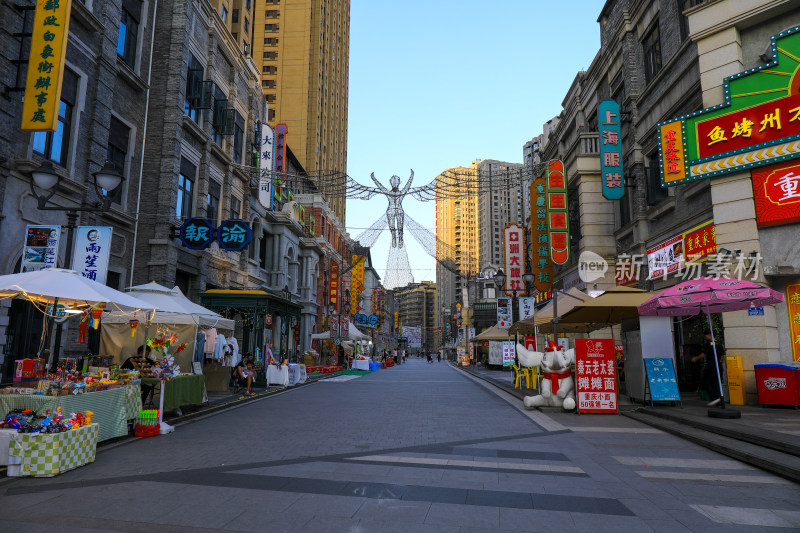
<point x="394" y="213"/>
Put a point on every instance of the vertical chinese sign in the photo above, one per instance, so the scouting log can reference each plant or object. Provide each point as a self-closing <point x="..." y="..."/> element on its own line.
<point x="610" y="153"/>
<point x="280" y="160"/>
<point x="514" y="239"/>
<point x="334" y="292"/>
<point x="541" y="267"/>
<point x="509" y="353"/>
<point x="41" y="247"/>
<point x="504" y="318"/>
<point x="356" y="283"/>
<point x="46" y="65"/>
<point x="526" y="304"/>
<point x="92" y="249"/>
<point x="793" y="305"/>
<point x="595" y="370"/>
<point x="557" y="214"/>
<point x="266" y="162"/>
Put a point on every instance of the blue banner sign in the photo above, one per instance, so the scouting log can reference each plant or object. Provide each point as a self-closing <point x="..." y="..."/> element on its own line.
<point x="608" y="121"/>
<point x="661" y="375"/>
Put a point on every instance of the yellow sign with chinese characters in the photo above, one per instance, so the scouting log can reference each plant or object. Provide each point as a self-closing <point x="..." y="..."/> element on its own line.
<point x="793" y="305"/>
<point x="46" y="65"/>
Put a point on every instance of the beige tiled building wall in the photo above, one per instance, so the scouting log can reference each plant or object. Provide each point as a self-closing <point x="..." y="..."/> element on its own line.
<point x="302" y="48"/>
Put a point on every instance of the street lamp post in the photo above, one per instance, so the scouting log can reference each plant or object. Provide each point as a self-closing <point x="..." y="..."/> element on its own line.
<point x="500" y="279"/>
<point x="107" y="179"/>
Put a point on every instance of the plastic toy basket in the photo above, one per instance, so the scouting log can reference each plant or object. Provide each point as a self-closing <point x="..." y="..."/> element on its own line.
<point x="148" y="425"/>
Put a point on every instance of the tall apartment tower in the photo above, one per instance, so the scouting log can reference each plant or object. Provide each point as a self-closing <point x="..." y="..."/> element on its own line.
<point x="303" y="50"/>
<point x="456" y="231"/>
<point x="499" y="205"/>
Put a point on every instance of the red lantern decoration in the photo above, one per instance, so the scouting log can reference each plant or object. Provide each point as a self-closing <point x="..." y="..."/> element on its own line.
<point x="133" y="322"/>
<point x="96" y="314"/>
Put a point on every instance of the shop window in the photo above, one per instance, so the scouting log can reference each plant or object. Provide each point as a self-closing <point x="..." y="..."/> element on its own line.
<point x="130" y="15"/>
<point x="212" y="201"/>
<point x="117" y="152"/>
<point x="55" y="145"/>
<point x="185" y="203"/>
<point x="655" y="191"/>
<point x="651" y="51"/>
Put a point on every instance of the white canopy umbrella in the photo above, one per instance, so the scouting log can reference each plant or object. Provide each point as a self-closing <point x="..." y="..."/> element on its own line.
<point x="68" y="287"/>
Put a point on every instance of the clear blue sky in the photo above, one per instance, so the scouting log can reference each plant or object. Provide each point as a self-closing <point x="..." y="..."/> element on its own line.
<point x="436" y="84"/>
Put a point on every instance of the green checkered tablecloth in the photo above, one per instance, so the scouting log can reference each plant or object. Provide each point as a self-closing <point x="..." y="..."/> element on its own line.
<point x="112" y="408"/>
<point x="49" y="455"/>
<point x="180" y="390"/>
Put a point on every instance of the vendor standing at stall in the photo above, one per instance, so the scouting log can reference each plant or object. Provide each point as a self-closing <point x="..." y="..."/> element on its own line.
<point x="139" y="362"/>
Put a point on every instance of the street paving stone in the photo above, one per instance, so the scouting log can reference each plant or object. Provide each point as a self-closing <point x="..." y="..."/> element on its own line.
<point x="418" y="447"/>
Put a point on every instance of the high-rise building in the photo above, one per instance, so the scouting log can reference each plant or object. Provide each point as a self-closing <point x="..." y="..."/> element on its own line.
<point x="456" y="231"/>
<point x="302" y="48"/>
<point x="498" y="206"/>
<point x="416" y="306"/>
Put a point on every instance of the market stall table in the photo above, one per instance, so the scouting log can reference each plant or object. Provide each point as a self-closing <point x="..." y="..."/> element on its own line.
<point x="360" y="364"/>
<point x="277" y="375"/>
<point x="5" y="443"/>
<point x="47" y="455"/>
<point x="112" y="408"/>
<point x="297" y="374"/>
<point x="180" y="390"/>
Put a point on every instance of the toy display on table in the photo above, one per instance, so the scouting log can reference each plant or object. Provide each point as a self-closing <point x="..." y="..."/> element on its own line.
<point x="165" y="368"/>
<point x="26" y="421"/>
<point x="30" y="369"/>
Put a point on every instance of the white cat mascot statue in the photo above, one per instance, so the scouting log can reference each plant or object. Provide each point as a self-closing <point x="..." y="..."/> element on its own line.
<point x="558" y="387"/>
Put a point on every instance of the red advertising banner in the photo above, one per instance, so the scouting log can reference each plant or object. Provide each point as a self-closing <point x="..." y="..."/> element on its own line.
<point x="700" y="242"/>
<point x="514" y="241"/>
<point x="776" y="191"/>
<point x="530" y="343"/>
<point x="747" y="127"/>
<point x="557" y="212"/>
<point x="596" y="382"/>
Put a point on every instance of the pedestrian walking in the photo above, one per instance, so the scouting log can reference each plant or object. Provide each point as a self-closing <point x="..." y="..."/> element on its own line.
<point x="439" y="357"/>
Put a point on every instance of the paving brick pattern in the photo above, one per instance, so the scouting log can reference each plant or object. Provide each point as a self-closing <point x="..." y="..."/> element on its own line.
<point x="419" y="447"/>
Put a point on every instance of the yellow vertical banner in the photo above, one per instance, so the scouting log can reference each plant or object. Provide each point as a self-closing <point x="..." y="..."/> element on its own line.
<point x="735" y="379"/>
<point x="793" y="305"/>
<point x="356" y="282"/>
<point x="46" y="65"/>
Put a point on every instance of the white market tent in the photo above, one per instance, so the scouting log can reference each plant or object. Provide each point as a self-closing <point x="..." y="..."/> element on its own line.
<point x="173" y="309"/>
<point x="353" y="334"/>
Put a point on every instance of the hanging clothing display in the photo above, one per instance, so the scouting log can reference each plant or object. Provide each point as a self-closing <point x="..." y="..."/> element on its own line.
<point x="236" y="356"/>
<point x="211" y="340"/>
<point x="219" y="345"/>
<point x="199" y="346"/>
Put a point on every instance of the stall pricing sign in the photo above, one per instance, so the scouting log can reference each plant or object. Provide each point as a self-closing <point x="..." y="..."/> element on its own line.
<point x="41" y="247"/>
<point x="776" y="192"/>
<point x="757" y="124"/>
<point x="661" y="377"/>
<point x="514" y="239"/>
<point x="610" y="152"/>
<point x="504" y="312"/>
<point x="197" y="233"/>
<point x="508" y="353"/>
<point x="541" y="267"/>
<point x="46" y="65"/>
<point x="91" y="253"/>
<point x="526" y="307"/>
<point x="266" y="163"/>
<point x="557" y="212"/>
<point x="793" y="306"/>
<point x="234" y="234"/>
<point x="595" y="371"/>
<point x="665" y="258"/>
<point x="700" y="243"/>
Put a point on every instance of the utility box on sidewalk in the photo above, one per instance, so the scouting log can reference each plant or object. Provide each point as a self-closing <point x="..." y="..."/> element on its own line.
<point x="735" y="374"/>
<point x="778" y="383"/>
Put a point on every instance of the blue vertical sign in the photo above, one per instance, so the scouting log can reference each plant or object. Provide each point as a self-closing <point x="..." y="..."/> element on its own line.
<point x="608" y="121"/>
<point x="661" y="376"/>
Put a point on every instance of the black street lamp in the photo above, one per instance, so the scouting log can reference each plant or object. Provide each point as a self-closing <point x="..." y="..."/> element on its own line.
<point x="500" y="280"/>
<point x="45" y="177"/>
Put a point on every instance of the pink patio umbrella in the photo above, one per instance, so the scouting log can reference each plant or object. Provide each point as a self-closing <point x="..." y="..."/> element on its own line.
<point x="710" y="295"/>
